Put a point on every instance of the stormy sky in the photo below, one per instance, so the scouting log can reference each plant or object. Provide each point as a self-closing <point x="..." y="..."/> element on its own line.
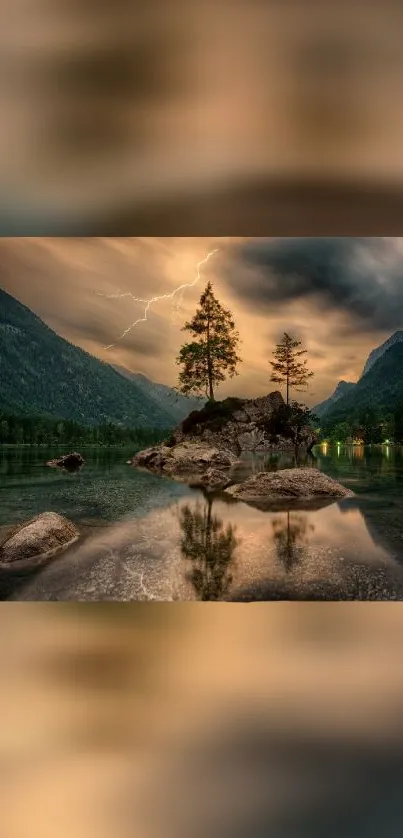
<point x="340" y="296"/>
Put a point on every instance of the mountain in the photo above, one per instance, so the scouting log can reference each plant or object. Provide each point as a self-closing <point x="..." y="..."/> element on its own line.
<point x="345" y="387"/>
<point x="381" y="387"/>
<point x="377" y="353"/>
<point x="174" y="403"/>
<point x="40" y="372"/>
<point x="341" y="390"/>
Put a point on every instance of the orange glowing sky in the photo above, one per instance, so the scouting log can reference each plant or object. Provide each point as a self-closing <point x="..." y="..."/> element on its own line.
<point x="340" y="310"/>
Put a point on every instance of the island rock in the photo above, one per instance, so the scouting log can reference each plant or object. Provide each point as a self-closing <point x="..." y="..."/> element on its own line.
<point x="207" y="445"/>
<point x="243" y="425"/>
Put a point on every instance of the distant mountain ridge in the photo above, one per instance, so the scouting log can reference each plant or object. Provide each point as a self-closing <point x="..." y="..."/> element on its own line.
<point x="41" y="372"/>
<point x="176" y="404"/>
<point x="345" y="387"/>
<point x="342" y="388"/>
<point x="381" y="387"/>
<point x="377" y="353"/>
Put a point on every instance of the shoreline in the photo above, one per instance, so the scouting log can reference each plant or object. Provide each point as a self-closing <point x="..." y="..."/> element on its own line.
<point x="50" y="447"/>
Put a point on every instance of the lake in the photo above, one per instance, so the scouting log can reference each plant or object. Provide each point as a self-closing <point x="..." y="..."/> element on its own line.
<point x="151" y="538"/>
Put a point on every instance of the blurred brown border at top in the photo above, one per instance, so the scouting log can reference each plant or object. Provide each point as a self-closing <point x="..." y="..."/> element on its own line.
<point x="201" y="119"/>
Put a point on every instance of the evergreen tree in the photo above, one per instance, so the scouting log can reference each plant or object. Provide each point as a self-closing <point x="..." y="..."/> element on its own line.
<point x="46" y="430"/>
<point x="370" y="426"/>
<point x="398" y="422"/>
<point x="342" y="432"/>
<point x="287" y="368"/>
<point x="212" y="354"/>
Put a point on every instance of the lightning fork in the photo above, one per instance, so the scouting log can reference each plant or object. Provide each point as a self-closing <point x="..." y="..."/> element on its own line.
<point x="148" y="303"/>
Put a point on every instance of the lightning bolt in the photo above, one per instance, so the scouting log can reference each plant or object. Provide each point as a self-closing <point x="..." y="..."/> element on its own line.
<point x="149" y="302"/>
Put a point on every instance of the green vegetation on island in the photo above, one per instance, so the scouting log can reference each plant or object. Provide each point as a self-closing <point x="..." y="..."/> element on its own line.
<point x="212" y="354"/>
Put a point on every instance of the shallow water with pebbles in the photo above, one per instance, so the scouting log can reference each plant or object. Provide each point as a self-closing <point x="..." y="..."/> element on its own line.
<point x="145" y="538"/>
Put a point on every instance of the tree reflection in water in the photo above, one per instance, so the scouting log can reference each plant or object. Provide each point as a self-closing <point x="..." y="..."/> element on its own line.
<point x="276" y="462"/>
<point x="291" y="534"/>
<point x="210" y="546"/>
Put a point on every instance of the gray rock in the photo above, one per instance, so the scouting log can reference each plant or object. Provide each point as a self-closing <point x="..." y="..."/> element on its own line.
<point x="240" y="427"/>
<point x="36" y="539"/>
<point x="289" y="484"/>
<point x="196" y="462"/>
<point x="213" y="479"/>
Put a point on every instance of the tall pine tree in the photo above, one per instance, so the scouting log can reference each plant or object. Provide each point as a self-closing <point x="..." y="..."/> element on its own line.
<point x="287" y="367"/>
<point x="212" y="355"/>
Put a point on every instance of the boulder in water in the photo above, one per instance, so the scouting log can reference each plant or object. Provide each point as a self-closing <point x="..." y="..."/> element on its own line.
<point x="71" y="462"/>
<point x="37" y="539"/>
<point x="293" y="484"/>
<point x="195" y="462"/>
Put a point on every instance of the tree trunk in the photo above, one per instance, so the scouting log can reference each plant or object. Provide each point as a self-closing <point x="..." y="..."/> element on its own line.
<point x="209" y="364"/>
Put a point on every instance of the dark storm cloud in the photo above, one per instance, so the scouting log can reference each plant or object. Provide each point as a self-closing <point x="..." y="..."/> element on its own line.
<point x="361" y="276"/>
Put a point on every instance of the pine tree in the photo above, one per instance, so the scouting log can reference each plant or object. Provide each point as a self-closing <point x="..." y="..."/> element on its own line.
<point x="287" y="368"/>
<point x="212" y="355"/>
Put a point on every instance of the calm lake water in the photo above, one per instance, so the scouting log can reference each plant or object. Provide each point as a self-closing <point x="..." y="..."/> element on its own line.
<point x="150" y="538"/>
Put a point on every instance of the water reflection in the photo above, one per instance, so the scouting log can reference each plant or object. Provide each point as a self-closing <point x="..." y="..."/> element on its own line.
<point x="27" y="460"/>
<point x="72" y="468"/>
<point x="276" y="462"/>
<point x="161" y="540"/>
<point x="202" y="548"/>
<point x="291" y="532"/>
<point x="104" y="491"/>
<point x="257" y="462"/>
<point x="370" y="468"/>
<point x="209" y="545"/>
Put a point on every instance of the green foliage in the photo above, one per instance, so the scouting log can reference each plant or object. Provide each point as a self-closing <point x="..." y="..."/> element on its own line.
<point x="45" y="430"/>
<point x="373" y="410"/>
<point x="287" y="368"/>
<point x="216" y="414"/>
<point x="398" y="424"/>
<point x="212" y="356"/>
<point x="381" y="389"/>
<point x="42" y="373"/>
<point x="372" y="425"/>
<point x="342" y="432"/>
<point x="290" y="421"/>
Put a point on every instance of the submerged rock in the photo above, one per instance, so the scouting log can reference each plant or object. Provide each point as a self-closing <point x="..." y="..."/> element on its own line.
<point x="289" y="484"/>
<point x="37" y="538"/>
<point x="68" y="461"/>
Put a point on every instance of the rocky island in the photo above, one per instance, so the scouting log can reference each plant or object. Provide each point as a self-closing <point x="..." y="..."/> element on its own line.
<point x="207" y="446"/>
